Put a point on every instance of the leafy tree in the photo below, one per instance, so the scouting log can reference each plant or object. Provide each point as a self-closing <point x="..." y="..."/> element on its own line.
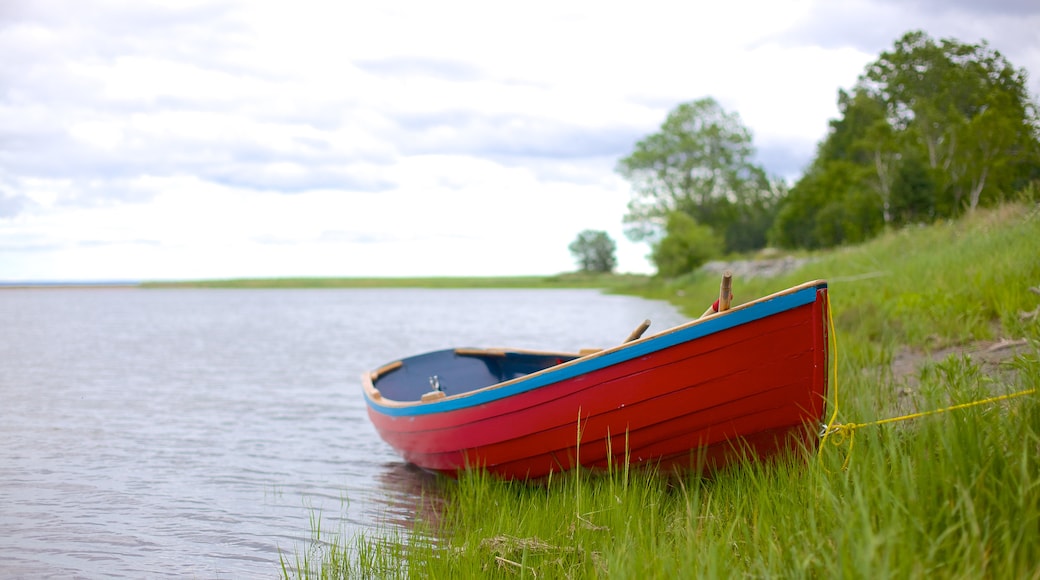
<point x="700" y="164"/>
<point x="914" y="195"/>
<point x="967" y="106"/>
<point x="685" y="246"/>
<point x="929" y="130"/>
<point x="594" y="251"/>
<point x="829" y="206"/>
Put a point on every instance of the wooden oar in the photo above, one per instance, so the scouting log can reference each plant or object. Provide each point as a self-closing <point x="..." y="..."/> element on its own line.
<point x="638" y="331"/>
<point x="726" y="291"/>
<point x="725" y="295"/>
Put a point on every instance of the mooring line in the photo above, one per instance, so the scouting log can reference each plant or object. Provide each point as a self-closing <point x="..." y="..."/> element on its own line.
<point x="847" y="431"/>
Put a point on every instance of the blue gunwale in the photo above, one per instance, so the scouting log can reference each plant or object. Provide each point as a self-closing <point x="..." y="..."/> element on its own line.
<point x="693" y="330"/>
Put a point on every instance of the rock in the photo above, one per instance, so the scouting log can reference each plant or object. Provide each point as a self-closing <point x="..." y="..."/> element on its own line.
<point x="755" y="268"/>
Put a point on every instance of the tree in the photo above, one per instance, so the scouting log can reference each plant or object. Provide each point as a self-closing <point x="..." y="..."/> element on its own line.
<point x="930" y="129"/>
<point x="913" y="191"/>
<point x="700" y="164"/>
<point x="967" y="107"/>
<point x="685" y="247"/>
<point x="829" y="206"/>
<point x="594" y="251"/>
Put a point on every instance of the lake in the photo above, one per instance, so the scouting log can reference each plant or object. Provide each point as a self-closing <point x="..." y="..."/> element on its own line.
<point x="200" y="433"/>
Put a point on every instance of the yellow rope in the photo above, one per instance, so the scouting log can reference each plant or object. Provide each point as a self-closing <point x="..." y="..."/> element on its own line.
<point x="833" y="339"/>
<point x="848" y="430"/>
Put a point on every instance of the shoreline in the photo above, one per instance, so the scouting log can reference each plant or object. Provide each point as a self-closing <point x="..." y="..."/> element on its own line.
<point x="68" y="285"/>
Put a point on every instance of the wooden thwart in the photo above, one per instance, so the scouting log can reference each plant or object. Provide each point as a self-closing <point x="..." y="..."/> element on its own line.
<point x="480" y="352"/>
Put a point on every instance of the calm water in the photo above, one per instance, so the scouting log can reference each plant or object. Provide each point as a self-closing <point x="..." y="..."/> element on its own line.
<point x="181" y="433"/>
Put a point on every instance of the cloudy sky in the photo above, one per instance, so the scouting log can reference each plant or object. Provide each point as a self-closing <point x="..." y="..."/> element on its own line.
<point x="173" y="140"/>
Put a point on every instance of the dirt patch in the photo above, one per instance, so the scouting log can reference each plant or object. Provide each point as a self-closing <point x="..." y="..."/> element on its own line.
<point x="991" y="355"/>
<point x="907" y="367"/>
<point x="907" y="364"/>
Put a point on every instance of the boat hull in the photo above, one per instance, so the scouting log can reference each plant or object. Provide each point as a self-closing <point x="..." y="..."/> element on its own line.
<point x="742" y="384"/>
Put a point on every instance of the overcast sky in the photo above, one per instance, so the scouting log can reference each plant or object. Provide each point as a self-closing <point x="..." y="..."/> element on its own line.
<point x="174" y="140"/>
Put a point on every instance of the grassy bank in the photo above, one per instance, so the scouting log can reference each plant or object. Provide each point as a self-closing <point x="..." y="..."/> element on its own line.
<point x="954" y="495"/>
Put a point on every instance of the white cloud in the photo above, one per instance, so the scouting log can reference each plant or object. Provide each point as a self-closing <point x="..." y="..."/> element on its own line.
<point x="253" y="138"/>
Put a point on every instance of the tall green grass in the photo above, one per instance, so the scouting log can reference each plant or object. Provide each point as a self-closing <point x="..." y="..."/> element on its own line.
<point x="921" y="286"/>
<point x="953" y="495"/>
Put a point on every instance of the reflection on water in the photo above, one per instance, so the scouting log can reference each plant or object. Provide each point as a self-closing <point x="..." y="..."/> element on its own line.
<point x="410" y="495"/>
<point x="194" y="433"/>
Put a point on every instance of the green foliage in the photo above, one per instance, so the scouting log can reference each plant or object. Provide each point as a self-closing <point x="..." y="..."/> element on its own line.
<point x="685" y="246"/>
<point x="594" y="251"/>
<point x="914" y="197"/>
<point x="700" y="163"/>
<point x="930" y="130"/>
<point x="966" y="107"/>
<point x="828" y="208"/>
<point x="922" y="287"/>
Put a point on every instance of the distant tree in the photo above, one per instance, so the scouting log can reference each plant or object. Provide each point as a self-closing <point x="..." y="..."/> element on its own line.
<point x="829" y="206"/>
<point x="931" y="129"/>
<point x="594" y="251"/>
<point x="685" y="246"/>
<point x="914" y="195"/>
<point x="966" y="106"/>
<point x="700" y="164"/>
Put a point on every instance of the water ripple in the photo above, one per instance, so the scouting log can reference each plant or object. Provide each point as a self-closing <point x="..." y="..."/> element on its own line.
<point x="199" y="433"/>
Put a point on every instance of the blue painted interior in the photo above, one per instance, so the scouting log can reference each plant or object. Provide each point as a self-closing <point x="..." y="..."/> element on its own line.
<point x="459" y="373"/>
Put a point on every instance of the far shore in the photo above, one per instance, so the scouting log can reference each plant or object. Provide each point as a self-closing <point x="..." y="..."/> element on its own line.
<point x="743" y="269"/>
<point x="67" y="284"/>
<point x="564" y="280"/>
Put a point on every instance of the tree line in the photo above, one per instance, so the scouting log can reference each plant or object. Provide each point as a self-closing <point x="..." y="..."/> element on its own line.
<point x="930" y="130"/>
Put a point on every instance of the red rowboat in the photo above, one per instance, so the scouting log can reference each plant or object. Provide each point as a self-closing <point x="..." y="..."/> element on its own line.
<point x="740" y="384"/>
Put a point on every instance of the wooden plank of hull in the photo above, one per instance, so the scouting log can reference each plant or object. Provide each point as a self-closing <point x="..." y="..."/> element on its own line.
<point x="673" y="442"/>
<point x="760" y="381"/>
<point x="686" y="456"/>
